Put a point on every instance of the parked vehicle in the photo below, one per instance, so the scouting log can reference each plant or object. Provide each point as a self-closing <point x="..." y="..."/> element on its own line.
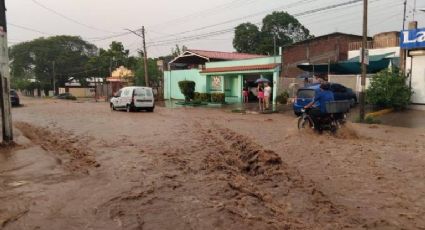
<point x="306" y="94"/>
<point x="14" y="98"/>
<point x="66" y="96"/>
<point x="335" y="117"/>
<point x="133" y="99"/>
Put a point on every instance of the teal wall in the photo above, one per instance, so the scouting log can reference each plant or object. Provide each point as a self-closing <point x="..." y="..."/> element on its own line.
<point x="253" y="61"/>
<point x="172" y="90"/>
<point x="231" y="83"/>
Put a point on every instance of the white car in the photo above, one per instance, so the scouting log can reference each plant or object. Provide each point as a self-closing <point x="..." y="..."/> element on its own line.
<point x="133" y="98"/>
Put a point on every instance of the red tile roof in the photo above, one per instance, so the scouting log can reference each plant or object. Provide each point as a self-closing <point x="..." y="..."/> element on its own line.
<point x="225" y="55"/>
<point x="240" y="68"/>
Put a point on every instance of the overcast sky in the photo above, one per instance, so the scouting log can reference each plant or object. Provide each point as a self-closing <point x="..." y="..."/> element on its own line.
<point x="170" y="22"/>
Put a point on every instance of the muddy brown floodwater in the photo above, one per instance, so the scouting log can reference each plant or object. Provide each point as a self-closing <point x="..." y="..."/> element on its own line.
<point x="78" y="165"/>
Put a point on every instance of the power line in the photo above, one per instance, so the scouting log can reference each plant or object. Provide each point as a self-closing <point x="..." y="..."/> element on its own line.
<point x="68" y="18"/>
<point x="208" y="11"/>
<point x="287" y="6"/>
<point x="28" y="29"/>
<point x="215" y="33"/>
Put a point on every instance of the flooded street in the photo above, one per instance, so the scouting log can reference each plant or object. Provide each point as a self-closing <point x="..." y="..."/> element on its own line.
<point x="78" y="165"/>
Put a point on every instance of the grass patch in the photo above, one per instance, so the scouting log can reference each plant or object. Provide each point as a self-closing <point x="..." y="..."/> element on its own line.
<point x="369" y="119"/>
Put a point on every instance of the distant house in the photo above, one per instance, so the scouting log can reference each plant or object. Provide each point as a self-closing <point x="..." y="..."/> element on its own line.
<point x="121" y="77"/>
<point x="79" y="89"/>
<point x="219" y="72"/>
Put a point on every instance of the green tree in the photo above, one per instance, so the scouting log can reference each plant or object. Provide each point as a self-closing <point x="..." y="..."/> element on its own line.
<point x="108" y="60"/>
<point x="283" y="27"/>
<point x="36" y="59"/>
<point x="388" y="89"/>
<point x="155" y="75"/>
<point x="247" y="38"/>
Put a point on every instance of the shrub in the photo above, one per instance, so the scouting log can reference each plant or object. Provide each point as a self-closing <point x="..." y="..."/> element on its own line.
<point x="388" y="89"/>
<point x="70" y="97"/>
<point x="283" y="98"/>
<point x="369" y="120"/>
<point x="196" y="96"/>
<point x="204" y="97"/>
<point x="188" y="89"/>
<point x="218" y="97"/>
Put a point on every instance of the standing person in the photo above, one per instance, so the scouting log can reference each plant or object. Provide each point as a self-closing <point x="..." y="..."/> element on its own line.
<point x="267" y="94"/>
<point x="245" y="94"/>
<point x="260" y="96"/>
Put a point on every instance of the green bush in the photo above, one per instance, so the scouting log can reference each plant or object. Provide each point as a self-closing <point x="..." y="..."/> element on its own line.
<point x="70" y="97"/>
<point x="188" y="89"/>
<point x="218" y="98"/>
<point x="388" y="89"/>
<point x="283" y="98"/>
<point x="204" y="97"/>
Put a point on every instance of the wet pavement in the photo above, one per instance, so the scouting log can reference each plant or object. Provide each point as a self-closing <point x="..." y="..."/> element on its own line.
<point x="79" y="165"/>
<point x="406" y="118"/>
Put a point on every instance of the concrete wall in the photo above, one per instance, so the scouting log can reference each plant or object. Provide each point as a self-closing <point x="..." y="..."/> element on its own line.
<point x="171" y="82"/>
<point x="418" y="79"/>
<point x="396" y="50"/>
<point x="82" y="92"/>
<point x="245" y="62"/>
<point x="350" y="81"/>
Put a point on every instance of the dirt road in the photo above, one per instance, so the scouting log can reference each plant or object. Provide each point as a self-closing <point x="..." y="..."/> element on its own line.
<point x="81" y="166"/>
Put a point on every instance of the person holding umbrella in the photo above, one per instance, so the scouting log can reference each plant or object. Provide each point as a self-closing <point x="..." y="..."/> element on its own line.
<point x="261" y="92"/>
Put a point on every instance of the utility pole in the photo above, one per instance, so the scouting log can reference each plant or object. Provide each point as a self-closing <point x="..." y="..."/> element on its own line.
<point x="54" y="78"/>
<point x="364" y="66"/>
<point x="404" y="14"/>
<point x="145" y="54"/>
<point x="145" y="57"/>
<point x="403" y="52"/>
<point x="5" y="105"/>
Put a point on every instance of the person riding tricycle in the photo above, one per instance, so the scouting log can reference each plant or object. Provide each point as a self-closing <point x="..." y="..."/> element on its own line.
<point x="324" y="112"/>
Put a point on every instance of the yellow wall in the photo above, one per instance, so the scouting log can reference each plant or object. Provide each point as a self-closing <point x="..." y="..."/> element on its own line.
<point x="82" y="92"/>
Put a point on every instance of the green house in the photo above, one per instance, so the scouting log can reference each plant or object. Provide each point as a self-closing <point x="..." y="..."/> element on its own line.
<point x="221" y="72"/>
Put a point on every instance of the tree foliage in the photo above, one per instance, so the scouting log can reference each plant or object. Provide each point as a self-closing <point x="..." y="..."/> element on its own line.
<point x="153" y="72"/>
<point x="37" y="59"/>
<point x="281" y="26"/>
<point x="388" y="89"/>
<point x="247" y="37"/>
<point x="107" y="60"/>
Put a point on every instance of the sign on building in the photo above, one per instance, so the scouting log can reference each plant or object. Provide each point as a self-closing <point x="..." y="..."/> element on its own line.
<point x="412" y="39"/>
<point x="216" y="83"/>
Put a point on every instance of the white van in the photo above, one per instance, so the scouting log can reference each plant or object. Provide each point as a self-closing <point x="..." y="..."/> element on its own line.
<point x="133" y="98"/>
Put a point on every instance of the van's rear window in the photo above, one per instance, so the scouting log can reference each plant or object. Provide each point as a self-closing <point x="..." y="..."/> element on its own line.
<point x="305" y="93"/>
<point x="139" y="92"/>
<point x="149" y="92"/>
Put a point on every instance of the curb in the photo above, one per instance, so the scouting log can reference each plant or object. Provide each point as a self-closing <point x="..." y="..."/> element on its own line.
<point x="379" y="113"/>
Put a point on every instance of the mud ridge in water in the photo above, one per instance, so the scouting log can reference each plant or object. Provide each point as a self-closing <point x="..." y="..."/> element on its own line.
<point x="72" y="152"/>
<point x="267" y="189"/>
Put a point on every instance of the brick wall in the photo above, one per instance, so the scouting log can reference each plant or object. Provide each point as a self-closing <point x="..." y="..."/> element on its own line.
<point x="333" y="47"/>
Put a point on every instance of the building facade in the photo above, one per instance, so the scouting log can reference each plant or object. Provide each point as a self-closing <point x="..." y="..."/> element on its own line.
<point x="220" y="72"/>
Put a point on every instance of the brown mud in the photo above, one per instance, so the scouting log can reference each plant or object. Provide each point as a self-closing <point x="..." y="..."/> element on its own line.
<point x="81" y="166"/>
